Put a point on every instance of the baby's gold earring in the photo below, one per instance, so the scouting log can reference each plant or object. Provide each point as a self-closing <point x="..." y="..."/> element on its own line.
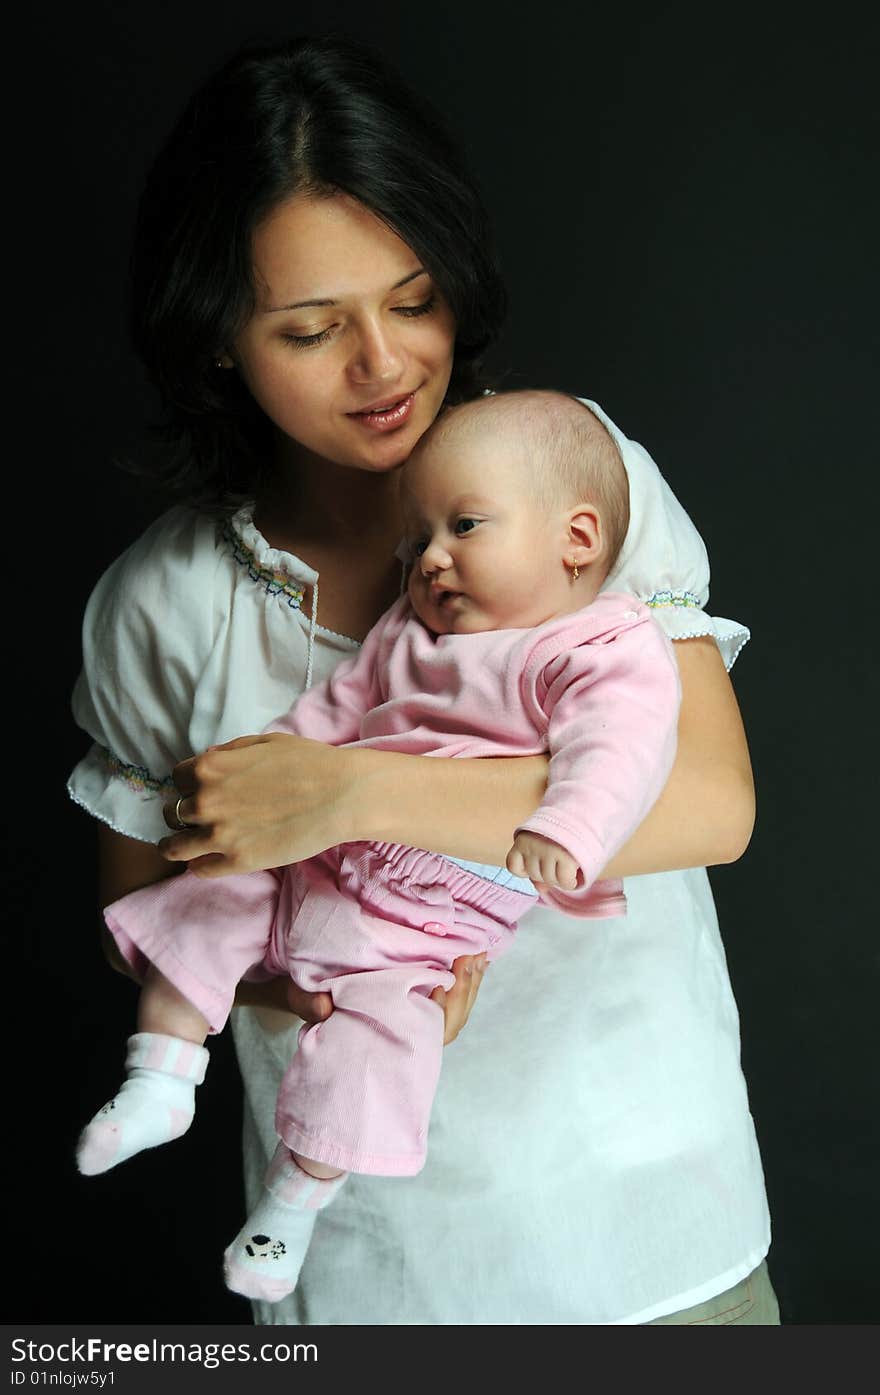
<point x="574" y="571"/>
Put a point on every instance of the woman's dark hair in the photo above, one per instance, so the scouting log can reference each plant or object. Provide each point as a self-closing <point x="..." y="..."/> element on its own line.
<point x="324" y="115"/>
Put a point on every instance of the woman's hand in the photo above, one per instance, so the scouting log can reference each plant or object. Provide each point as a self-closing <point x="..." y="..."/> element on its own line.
<point x="286" y="996"/>
<point x="457" y="1001"/>
<point x="283" y="995"/>
<point x="257" y="802"/>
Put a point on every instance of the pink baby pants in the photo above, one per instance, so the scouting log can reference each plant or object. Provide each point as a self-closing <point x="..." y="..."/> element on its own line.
<point x="378" y="926"/>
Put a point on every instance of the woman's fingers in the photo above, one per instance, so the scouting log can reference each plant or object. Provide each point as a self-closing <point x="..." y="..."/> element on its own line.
<point x="185" y="844"/>
<point x="184" y="776"/>
<point x="257" y="802"/>
<point x="457" y="1001"/>
<point x="311" y="1007"/>
<point x="181" y="808"/>
<point x="179" y="812"/>
<point x="284" y="996"/>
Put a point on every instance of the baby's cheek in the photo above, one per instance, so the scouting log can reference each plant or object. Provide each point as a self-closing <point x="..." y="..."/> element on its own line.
<point x="422" y="605"/>
<point x="415" y="592"/>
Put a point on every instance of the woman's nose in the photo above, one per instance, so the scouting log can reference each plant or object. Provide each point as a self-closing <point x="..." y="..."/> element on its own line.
<point x="378" y="357"/>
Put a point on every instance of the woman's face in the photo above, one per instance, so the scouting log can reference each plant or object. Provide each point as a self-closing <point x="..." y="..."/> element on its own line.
<point x="349" y="350"/>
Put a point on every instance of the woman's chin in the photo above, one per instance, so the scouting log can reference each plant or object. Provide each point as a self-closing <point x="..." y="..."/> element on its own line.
<point x="387" y="455"/>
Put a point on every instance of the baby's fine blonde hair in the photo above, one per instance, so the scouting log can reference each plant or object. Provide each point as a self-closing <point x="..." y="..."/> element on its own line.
<point x="572" y="457"/>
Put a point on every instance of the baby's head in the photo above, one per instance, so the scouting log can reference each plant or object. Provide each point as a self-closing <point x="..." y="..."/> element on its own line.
<point x="515" y="507"/>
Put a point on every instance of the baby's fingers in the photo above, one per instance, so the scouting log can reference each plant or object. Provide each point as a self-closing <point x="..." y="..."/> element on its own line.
<point x="516" y="863"/>
<point x="565" y="873"/>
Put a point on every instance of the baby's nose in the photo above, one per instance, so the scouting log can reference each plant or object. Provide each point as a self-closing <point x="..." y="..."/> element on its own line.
<point x="434" y="559"/>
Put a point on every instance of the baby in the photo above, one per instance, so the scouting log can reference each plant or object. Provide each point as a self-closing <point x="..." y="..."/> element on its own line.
<point x="515" y="507"/>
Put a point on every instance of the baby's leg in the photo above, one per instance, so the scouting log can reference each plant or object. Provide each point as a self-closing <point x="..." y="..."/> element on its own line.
<point x="156" y="1102"/>
<point x="162" y="1008"/>
<point x="266" y="1255"/>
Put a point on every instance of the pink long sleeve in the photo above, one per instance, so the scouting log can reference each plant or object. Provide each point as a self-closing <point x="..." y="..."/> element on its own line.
<point x="612" y="708"/>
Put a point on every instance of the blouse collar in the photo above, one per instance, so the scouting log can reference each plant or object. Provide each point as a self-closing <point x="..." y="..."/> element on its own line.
<point x="274" y="560"/>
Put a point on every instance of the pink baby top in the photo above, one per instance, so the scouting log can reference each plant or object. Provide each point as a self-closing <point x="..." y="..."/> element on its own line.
<point x="598" y="689"/>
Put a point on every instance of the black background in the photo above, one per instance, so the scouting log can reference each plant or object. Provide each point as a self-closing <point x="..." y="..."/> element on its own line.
<point x="686" y="204"/>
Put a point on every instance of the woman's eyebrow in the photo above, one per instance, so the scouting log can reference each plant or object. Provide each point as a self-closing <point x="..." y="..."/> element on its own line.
<point x="304" y="304"/>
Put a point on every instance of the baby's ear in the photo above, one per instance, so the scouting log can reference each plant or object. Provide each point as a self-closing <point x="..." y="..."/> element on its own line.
<point x="586" y="538"/>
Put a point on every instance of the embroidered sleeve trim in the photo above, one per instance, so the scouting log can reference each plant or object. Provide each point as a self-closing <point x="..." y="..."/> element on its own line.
<point x="137" y="777"/>
<point x="274" y="583"/>
<point x="685" y="600"/>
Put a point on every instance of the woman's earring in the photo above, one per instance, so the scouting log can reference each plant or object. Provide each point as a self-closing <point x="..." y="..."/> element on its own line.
<point x="575" y="573"/>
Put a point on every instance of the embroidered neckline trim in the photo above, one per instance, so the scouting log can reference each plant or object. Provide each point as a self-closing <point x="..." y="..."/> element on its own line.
<point x="275" y="582"/>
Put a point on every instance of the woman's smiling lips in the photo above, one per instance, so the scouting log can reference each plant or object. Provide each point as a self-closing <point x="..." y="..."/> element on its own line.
<point x="387" y="415"/>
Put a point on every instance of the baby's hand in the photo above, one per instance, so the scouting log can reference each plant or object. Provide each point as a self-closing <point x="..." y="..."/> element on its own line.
<point x="544" y="862"/>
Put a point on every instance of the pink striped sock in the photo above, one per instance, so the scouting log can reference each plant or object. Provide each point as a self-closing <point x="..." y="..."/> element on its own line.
<point x="266" y="1255"/>
<point x="155" y="1103"/>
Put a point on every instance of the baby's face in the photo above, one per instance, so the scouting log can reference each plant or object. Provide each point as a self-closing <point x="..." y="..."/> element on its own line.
<point x="484" y="555"/>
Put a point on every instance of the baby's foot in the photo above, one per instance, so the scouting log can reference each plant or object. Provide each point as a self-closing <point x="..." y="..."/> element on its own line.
<point x="267" y="1254"/>
<point x="155" y="1104"/>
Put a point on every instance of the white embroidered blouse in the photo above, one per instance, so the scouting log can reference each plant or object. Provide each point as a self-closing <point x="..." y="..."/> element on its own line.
<point x="592" y="1158"/>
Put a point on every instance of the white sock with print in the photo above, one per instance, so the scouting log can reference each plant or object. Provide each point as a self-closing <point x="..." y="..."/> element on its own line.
<point x="266" y="1255"/>
<point x="155" y="1104"/>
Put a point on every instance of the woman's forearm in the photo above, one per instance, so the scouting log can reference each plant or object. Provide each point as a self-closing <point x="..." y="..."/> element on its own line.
<point x="264" y="801"/>
<point x="463" y="808"/>
<point x="470" y="808"/>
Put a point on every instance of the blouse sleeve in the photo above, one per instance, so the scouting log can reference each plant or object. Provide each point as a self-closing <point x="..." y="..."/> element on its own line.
<point x="145" y="638"/>
<point x="663" y="560"/>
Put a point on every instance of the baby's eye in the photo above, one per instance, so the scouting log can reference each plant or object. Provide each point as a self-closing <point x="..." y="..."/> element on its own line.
<point x="417" y="548"/>
<point x="464" y="525"/>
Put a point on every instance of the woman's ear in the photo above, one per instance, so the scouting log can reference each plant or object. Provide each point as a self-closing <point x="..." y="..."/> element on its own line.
<point x="586" y="540"/>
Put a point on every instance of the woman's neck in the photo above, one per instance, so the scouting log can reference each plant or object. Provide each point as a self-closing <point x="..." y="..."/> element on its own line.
<point x="346" y="525"/>
<point x="313" y="504"/>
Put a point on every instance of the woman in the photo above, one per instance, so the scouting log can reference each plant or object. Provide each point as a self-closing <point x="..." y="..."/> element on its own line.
<point x="312" y="281"/>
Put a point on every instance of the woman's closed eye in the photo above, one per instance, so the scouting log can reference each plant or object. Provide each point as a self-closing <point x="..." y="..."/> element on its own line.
<point x="306" y="341"/>
<point x="321" y="336"/>
<point x="411" y="312"/>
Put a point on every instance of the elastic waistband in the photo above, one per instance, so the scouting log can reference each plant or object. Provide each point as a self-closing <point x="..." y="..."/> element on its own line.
<point x="465" y="885"/>
<point x="499" y="876"/>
